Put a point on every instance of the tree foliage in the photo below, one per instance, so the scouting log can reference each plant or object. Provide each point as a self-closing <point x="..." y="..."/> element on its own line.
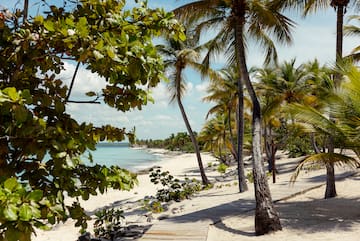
<point x="41" y="145"/>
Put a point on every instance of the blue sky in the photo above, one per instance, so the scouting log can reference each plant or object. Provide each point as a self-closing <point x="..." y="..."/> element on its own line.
<point x="314" y="37"/>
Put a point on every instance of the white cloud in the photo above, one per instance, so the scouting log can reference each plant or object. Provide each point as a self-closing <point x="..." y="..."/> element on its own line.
<point x="85" y="81"/>
<point x="189" y="87"/>
<point x="202" y="87"/>
<point x="161" y="94"/>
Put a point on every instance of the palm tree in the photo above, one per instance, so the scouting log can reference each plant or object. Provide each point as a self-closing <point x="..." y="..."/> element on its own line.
<point x="236" y="19"/>
<point x="339" y="120"/>
<point x="340" y="7"/>
<point x="179" y="55"/>
<point x="283" y="85"/>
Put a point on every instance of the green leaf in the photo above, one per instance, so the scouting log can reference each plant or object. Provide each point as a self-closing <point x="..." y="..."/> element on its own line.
<point x="12" y="93"/>
<point x="25" y="212"/>
<point x="182" y="36"/>
<point x="59" y="107"/>
<point x="49" y="25"/>
<point x="27" y="96"/>
<point x="39" y="19"/>
<point x="70" y="22"/>
<point x="10" y="212"/>
<point x="10" y="184"/>
<point x="36" y="195"/>
<point x="21" y="114"/>
<point x="110" y="52"/>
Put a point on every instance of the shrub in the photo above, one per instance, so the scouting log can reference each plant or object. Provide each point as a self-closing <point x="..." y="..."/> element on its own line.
<point x="173" y="189"/>
<point x="153" y="206"/>
<point x="222" y="168"/>
<point x="108" y="221"/>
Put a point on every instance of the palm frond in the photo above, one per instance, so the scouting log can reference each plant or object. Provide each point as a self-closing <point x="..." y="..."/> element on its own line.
<point x="312" y="162"/>
<point x="316" y="118"/>
<point x="198" y="10"/>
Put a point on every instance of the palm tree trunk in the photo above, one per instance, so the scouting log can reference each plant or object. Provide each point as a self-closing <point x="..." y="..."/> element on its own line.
<point x="330" y="172"/>
<point x="339" y="37"/>
<point x="204" y="178"/>
<point x="232" y="139"/>
<point x="266" y="217"/>
<point x="240" y="133"/>
<point x="330" y="191"/>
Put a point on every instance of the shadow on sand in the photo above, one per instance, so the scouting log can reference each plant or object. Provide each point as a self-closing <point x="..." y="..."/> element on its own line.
<point x="307" y="216"/>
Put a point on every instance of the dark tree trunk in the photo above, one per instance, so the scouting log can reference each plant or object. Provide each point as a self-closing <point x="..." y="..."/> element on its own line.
<point x="266" y="217"/>
<point x="330" y="181"/>
<point x="204" y="178"/>
<point x="339" y="37"/>
<point x="330" y="172"/>
<point x="273" y="165"/>
<point x="240" y="133"/>
<point x="232" y="139"/>
<point x="26" y="10"/>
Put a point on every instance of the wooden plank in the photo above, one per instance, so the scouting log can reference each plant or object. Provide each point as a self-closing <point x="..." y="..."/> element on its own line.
<point x="177" y="231"/>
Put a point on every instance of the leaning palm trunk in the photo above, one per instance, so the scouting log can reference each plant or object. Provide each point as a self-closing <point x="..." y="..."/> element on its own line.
<point x="266" y="217"/>
<point x="204" y="179"/>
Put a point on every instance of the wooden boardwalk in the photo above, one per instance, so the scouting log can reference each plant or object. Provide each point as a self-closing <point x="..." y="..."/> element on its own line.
<point x="177" y="231"/>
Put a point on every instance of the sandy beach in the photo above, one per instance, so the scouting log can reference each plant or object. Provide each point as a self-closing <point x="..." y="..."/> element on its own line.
<point x="305" y="216"/>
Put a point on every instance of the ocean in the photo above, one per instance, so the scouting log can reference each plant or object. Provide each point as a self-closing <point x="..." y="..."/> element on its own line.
<point x="122" y="155"/>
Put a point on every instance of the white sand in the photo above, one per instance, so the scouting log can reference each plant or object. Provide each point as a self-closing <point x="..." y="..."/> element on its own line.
<point x="304" y="217"/>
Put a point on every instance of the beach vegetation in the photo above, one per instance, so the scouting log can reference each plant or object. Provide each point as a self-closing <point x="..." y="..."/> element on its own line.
<point x="222" y="167"/>
<point x="173" y="189"/>
<point x="42" y="146"/>
<point x="107" y="221"/>
<point x="153" y="205"/>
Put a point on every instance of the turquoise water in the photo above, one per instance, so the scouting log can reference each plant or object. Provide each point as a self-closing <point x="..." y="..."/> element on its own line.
<point x="122" y="155"/>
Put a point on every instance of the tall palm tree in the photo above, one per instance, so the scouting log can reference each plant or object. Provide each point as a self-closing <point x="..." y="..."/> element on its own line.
<point x="179" y="55"/>
<point x="255" y="19"/>
<point x="340" y="7"/>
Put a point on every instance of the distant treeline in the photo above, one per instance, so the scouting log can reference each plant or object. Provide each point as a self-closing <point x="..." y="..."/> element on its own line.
<point x="175" y="142"/>
<point x="113" y="144"/>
